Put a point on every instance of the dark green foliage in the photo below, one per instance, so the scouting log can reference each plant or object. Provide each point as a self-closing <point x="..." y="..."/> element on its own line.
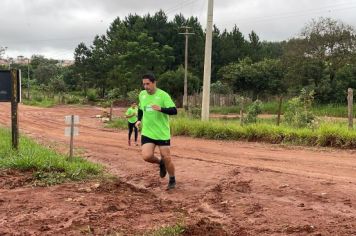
<point x="253" y="111"/>
<point x="173" y="83"/>
<point x="220" y="88"/>
<point x="322" y="58"/>
<point x="255" y="79"/>
<point x="298" y="111"/>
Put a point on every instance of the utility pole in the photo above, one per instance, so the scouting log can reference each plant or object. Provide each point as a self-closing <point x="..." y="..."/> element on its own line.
<point x="207" y="63"/>
<point x="185" y="96"/>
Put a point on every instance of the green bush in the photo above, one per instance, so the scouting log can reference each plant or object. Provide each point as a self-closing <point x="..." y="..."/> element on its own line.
<point x="253" y="111"/>
<point x="133" y="95"/>
<point x="37" y="98"/>
<point x="195" y="112"/>
<point x="298" y="111"/>
<point x="104" y="103"/>
<point x="92" y="95"/>
<point x="72" y="99"/>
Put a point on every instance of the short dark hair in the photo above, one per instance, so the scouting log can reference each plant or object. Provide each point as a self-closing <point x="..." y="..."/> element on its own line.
<point x="149" y="76"/>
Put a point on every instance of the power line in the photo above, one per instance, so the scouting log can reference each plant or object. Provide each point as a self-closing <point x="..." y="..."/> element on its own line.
<point x="179" y="5"/>
<point x="296" y="13"/>
<point x="189" y="2"/>
<point x="203" y="6"/>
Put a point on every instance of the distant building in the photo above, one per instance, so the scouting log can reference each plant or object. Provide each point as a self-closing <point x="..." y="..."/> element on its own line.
<point x="65" y="63"/>
<point x="21" y="60"/>
<point x="3" y="62"/>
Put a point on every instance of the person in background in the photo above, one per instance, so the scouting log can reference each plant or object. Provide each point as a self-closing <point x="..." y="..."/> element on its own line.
<point x="131" y="115"/>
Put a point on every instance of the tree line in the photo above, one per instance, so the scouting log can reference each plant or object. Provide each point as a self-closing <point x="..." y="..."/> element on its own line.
<point x="321" y="58"/>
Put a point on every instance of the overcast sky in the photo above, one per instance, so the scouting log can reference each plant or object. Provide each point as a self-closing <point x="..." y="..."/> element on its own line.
<point x="54" y="28"/>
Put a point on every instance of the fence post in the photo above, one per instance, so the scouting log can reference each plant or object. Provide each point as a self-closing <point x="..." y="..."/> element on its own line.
<point x="350" y="106"/>
<point x="111" y="107"/>
<point x="279" y="110"/>
<point x="242" y="111"/>
<point x="14" y="109"/>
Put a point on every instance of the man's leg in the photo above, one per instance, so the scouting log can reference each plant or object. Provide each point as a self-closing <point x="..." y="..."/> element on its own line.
<point x="166" y="156"/>
<point x="148" y="153"/>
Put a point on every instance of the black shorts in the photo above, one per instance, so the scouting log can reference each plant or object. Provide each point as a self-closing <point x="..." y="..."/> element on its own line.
<point x="145" y="139"/>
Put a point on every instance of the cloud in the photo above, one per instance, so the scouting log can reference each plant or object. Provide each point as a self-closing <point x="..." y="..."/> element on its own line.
<point x="55" y="27"/>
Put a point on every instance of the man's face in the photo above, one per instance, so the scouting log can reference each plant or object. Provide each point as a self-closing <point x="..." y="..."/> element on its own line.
<point x="149" y="86"/>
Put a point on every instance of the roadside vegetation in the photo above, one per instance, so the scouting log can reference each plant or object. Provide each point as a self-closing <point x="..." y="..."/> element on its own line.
<point x="47" y="166"/>
<point x="330" y="110"/>
<point x="264" y="130"/>
<point x="299" y="126"/>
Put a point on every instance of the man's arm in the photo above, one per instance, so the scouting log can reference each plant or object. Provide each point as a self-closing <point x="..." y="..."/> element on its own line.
<point x="169" y="111"/>
<point x="140" y="114"/>
<point x="129" y="116"/>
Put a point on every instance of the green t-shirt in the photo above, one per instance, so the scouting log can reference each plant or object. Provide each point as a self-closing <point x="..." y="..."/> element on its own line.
<point x="132" y="111"/>
<point x="155" y="124"/>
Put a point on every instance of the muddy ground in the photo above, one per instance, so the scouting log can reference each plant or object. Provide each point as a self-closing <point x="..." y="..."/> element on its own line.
<point x="223" y="187"/>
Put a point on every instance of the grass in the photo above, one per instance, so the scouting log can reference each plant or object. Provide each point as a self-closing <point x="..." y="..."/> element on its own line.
<point x="48" y="167"/>
<point x="329" y="134"/>
<point x="42" y="103"/>
<point x="174" y="230"/>
<point x="117" y="123"/>
<point x="71" y="98"/>
<point x="334" y="110"/>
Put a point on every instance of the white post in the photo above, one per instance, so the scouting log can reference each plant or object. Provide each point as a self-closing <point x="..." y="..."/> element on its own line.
<point x="71" y="136"/>
<point x="207" y="63"/>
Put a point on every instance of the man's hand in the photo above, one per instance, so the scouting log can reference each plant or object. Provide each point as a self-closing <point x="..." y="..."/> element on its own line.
<point x="138" y="124"/>
<point x="156" y="107"/>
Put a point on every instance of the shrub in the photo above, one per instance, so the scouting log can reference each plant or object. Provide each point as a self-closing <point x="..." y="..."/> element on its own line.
<point x="298" y="112"/>
<point x="92" y="95"/>
<point x="72" y="99"/>
<point x="195" y="112"/>
<point x="133" y="95"/>
<point x="253" y="111"/>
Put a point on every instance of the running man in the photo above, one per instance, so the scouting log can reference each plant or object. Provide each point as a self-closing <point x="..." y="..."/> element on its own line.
<point x="154" y="109"/>
<point x="131" y="115"/>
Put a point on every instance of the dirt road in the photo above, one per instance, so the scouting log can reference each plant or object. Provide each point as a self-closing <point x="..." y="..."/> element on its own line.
<point x="223" y="187"/>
